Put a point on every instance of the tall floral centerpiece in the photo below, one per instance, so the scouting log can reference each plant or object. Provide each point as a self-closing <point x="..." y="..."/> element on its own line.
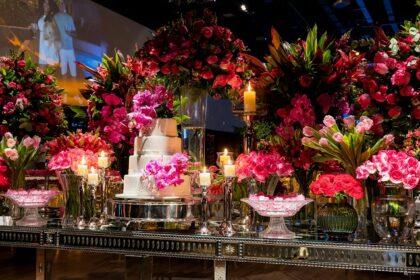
<point x="393" y="211"/>
<point x="109" y="94"/>
<point x="388" y="90"/>
<point x="29" y="98"/>
<point x="349" y="145"/>
<point x="18" y="156"/>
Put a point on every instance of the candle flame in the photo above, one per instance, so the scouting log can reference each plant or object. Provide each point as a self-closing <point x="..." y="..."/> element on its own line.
<point x="204" y="169"/>
<point x="83" y="160"/>
<point x="226" y="152"/>
<point x="249" y="86"/>
<point x="102" y="154"/>
<point x="229" y="162"/>
<point x="92" y="170"/>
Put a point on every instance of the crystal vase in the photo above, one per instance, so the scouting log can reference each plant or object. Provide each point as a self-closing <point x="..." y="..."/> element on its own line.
<point x="71" y="185"/>
<point x="337" y="219"/>
<point x="194" y="107"/>
<point x="393" y="214"/>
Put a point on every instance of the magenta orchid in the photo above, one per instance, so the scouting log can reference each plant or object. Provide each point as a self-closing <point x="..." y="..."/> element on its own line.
<point x="168" y="174"/>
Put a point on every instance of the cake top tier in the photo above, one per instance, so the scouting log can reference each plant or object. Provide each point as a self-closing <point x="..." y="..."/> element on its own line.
<point x="163" y="127"/>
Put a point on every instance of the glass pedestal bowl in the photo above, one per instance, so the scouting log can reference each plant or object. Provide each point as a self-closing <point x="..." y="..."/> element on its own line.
<point x="30" y="201"/>
<point x="277" y="210"/>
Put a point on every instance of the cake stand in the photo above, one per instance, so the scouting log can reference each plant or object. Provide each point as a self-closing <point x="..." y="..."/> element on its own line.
<point x="31" y="200"/>
<point x="277" y="210"/>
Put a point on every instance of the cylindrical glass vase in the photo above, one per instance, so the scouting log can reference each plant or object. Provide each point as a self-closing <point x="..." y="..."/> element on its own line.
<point x="337" y="219"/>
<point x="72" y="186"/>
<point x="393" y="214"/>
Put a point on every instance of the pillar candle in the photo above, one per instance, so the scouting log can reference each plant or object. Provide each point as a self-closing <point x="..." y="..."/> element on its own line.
<point x="93" y="177"/>
<point x="82" y="168"/>
<point x="205" y="178"/>
<point x="250" y="100"/>
<point x="229" y="169"/>
<point x="103" y="160"/>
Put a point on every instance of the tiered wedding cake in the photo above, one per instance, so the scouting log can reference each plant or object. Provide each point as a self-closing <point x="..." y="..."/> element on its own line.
<point x="162" y="143"/>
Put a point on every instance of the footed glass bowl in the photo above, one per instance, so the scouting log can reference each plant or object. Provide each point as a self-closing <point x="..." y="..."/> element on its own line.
<point x="277" y="210"/>
<point x="31" y="200"/>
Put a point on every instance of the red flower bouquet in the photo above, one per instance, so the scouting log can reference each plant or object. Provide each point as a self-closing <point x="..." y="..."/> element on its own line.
<point x="194" y="51"/>
<point x="390" y="84"/>
<point x="30" y="100"/>
<point x="337" y="185"/>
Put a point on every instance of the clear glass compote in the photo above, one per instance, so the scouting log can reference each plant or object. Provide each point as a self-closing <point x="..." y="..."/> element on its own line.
<point x="31" y="200"/>
<point x="277" y="210"/>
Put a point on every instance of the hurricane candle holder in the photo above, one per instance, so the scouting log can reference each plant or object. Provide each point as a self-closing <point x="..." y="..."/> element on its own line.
<point x="81" y="224"/>
<point x="226" y="228"/>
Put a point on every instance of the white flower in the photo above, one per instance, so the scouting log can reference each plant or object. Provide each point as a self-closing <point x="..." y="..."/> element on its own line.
<point x="414" y="33"/>
<point x="394" y="46"/>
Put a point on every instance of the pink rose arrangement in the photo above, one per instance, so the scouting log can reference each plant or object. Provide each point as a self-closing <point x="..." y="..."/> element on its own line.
<point x="350" y="146"/>
<point x="394" y="166"/>
<point x="196" y="51"/>
<point x="168" y="174"/>
<point x="18" y="156"/>
<point x="337" y="185"/>
<point x="149" y="104"/>
<point x="66" y="151"/>
<point x="262" y="165"/>
<point x="30" y="100"/>
<point x="411" y="144"/>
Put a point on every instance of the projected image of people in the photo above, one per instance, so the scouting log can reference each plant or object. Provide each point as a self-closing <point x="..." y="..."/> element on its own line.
<point x="67" y="30"/>
<point x="49" y="39"/>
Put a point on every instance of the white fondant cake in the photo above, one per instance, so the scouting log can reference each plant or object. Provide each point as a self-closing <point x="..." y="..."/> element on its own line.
<point x="160" y="145"/>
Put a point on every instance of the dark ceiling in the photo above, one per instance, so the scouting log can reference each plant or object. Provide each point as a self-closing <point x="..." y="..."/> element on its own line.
<point x="290" y="17"/>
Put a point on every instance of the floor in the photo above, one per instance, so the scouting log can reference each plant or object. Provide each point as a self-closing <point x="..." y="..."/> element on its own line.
<point x="74" y="265"/>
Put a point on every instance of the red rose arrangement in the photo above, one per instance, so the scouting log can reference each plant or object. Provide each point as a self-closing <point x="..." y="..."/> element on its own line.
<point x="194" y="51"/>
<point x="390" y="85"/>
<point x="337" y="185"/>
<point x="30" y="100"/>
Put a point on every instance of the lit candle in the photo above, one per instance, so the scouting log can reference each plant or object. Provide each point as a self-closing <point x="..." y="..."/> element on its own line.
<point x="229" y="169"/>
<point x="93" y="177"/>
<point x="103" y="160"/>
<point x="225" y="157"/>
<point x="82" y="168"/>
<point x="249" y="100"/>
<point x="205" y="178"/>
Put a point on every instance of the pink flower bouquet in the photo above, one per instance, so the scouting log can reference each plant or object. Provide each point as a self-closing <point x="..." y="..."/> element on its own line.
<point x="394" y="166"/>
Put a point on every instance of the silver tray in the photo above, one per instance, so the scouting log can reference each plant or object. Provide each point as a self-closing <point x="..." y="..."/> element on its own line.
<point x="175" y="210"/>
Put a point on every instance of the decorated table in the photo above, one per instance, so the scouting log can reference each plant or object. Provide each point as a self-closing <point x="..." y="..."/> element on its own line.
<point x="308" y="251"/>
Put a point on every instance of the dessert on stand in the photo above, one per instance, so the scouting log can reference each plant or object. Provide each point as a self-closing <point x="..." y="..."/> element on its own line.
<point x="155" y="188"/>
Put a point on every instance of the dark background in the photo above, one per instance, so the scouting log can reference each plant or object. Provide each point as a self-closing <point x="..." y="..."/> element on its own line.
<point x="291" y="18"/>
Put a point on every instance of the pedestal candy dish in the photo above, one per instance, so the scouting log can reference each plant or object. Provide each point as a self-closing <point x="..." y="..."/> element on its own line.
<point x="31" y="200"/>
<point x="277" y="208"/>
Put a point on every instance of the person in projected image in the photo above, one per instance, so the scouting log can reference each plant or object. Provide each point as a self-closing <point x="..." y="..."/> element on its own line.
<point x="49" y="39"/>
<point x="67" y="31"/>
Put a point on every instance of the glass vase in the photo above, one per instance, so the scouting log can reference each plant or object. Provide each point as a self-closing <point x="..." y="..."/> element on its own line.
<point x="337" y="219"/>
<point x="393" y="214"/>
<point x="194" y="106"/>
<point x="17" y="178"/>
<point x="71" y="185"/>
